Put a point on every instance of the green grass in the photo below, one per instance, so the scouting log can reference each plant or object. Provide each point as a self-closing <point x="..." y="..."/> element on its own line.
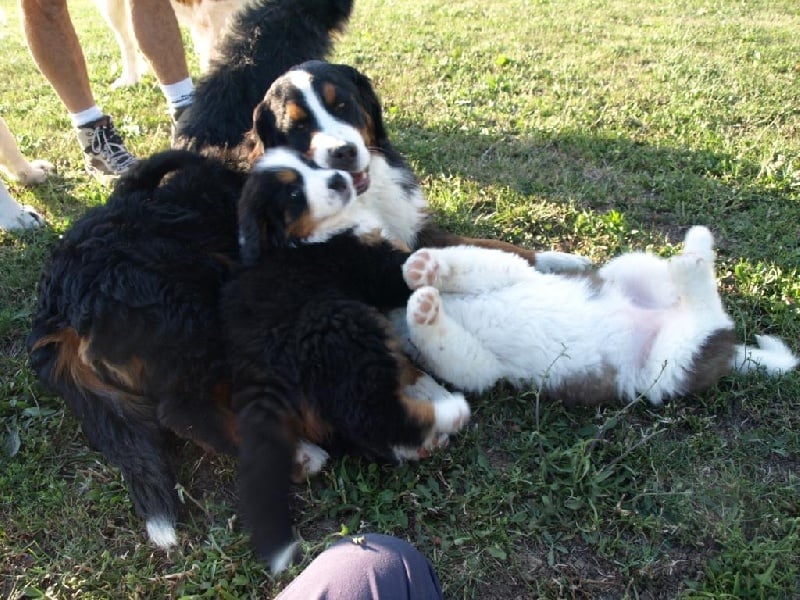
<point x="587" y="126"/>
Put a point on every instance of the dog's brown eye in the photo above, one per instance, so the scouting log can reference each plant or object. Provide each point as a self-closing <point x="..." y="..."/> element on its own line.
<point x="340" y="106"/>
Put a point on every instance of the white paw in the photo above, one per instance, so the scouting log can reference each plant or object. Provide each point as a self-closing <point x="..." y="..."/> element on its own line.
<point x="21" y="217"/>
<point x="127" y="79"/>
<point x="426" y="388"/>
<point x="161" y="532"/>
<point x="552" y="261"/>
<point x="424" y="306"/>
<point x="451" y="414"/>
<point x="36" y="172"/>
<point x="423" y="268"/>
<point x="700" y="242"/>
<point x="309" y="458"/>
<point x="685" y="269"/>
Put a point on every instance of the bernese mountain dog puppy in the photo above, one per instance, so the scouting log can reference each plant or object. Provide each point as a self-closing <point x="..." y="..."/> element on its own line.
<point x="270" y="86"/>
<point x="313" y="357"/>
<point x="127" y="325"/>
<point x="129" y="331"/>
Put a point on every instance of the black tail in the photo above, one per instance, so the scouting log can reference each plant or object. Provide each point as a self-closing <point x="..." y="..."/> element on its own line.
<point x="264" y="41"/>
<point x="147" y="174"/>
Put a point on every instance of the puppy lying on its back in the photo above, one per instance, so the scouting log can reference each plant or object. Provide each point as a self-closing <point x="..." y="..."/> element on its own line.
<point x="644" y="326"/>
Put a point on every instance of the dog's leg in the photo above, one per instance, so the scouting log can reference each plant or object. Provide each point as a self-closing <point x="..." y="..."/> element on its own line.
<point x="465" y="269"/>
<point x="266" y="460"/>
<point x="549" y="261"/>
<point x="118" y="16"/>
<point x="448" y="349"/>
<point x="14" y="164"/>
<point x="14" y="215"/>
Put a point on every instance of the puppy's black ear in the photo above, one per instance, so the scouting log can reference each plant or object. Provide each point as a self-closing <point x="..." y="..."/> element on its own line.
<point x="370" y="102"/>
<point x="260" y="225"/>
<point x="265" y="126"/>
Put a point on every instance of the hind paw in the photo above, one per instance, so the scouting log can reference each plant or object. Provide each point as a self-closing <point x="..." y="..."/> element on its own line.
<point x="423" y="268"/>
<point x="424" y="306"/>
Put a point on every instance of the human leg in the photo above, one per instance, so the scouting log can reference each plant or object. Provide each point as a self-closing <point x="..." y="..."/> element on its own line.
<point x="369" y="567"/>
<point x="57" y="52"/>
<point x="159" y="38"/>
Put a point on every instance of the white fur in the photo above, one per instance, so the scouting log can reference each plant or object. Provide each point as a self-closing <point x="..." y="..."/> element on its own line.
<point x="161" y="532"/>
<point x="479" y="316"/>
<point x="206" y="21"/>
<point x="282" y="559"/>
<point x="14" y="215"/>
<point x="326" y="206"/>
<point x="310" y="457"/>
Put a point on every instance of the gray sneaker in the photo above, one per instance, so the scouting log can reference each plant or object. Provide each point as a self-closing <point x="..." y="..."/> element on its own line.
<point x="104" y="153"/>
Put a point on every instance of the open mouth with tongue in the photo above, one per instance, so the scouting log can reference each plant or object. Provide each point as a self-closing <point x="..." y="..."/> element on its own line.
<point x="360" y="181"/>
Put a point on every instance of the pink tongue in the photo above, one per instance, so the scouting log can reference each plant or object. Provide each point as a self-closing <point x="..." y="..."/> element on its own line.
<point x="360" y="181"/>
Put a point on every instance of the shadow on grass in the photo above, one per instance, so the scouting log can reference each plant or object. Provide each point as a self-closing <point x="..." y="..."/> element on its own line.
<point x="754" y="211"/>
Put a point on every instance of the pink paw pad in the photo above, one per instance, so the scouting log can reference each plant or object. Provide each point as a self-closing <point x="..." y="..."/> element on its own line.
<point x="425" y="305"/>
<point x="420" y="269"/>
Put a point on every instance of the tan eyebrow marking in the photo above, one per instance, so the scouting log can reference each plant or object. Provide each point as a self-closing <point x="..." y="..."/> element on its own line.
<point x="329" y="93"/>
<point x="286" y="176"/>
<point x="296" y="112"/>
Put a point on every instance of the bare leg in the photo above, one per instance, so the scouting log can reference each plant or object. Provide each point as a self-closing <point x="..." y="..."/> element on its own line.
<point x="55" y="49"/>
<point x="159" y="37"/>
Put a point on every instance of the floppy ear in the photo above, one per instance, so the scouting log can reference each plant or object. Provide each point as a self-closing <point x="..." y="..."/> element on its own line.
<point x="260" y="222"/>
<point x="370" y="102"/>
<point x="265" y="127"/>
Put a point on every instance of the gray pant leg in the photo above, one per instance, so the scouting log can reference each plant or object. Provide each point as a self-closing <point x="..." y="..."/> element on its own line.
<point x="373" y="567"/>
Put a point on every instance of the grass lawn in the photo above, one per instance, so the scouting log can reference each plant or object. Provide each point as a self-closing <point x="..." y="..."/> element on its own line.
<point x="592" y="126"/>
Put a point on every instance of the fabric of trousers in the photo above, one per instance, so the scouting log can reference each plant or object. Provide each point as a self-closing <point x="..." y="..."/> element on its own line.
<point x="369" y="567"/>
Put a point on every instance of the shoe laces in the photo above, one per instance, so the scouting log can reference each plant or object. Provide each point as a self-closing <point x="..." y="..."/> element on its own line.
<point x="107" y="143"/>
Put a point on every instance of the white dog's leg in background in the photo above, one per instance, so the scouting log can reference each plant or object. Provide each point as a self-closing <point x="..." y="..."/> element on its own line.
<point x="466" y="269"/>
<point x="118" y="16"/>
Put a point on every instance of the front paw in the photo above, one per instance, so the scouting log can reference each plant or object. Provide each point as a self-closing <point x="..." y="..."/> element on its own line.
<point x="35" y="172"/>
<point x="561" y="262"/>
<point x="424" y="268"/>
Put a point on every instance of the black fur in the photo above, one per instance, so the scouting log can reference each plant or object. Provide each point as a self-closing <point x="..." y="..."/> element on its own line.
<point x="312" y="358"/>
<point x="265" y="40"/>
<point x="127" y="326"/>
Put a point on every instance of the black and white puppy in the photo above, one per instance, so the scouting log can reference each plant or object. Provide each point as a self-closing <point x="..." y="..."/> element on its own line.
<point x="331" y="114"/>
<point x="271" y="62"/>
<point x="312" y="355"/>
<point x="263" y="40"/>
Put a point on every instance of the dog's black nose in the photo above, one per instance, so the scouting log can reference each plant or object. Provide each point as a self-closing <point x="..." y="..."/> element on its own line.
<point x="343" y="157"/>
<point x="337" y="183"/>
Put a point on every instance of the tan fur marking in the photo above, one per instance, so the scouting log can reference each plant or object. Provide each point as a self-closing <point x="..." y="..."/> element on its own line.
<point x="329" y="94"/>
<point x="419" y="411"/>
<point x="286" y="176"/>
<point x="368" y="131"/>
<point x="302" y="227"/>
<point x="296" y="112"/>
<point x="73" y="362"/>
<point x="374" y="237"/>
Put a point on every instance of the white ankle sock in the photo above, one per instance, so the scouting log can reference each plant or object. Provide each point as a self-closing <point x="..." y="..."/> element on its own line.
<point x="86" y="116"/>
<point x="179" y="94"/>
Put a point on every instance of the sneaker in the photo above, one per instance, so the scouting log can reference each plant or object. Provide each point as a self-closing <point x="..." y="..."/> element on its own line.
<point x="175" y="115"/>
<point x="104" y="153"/>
